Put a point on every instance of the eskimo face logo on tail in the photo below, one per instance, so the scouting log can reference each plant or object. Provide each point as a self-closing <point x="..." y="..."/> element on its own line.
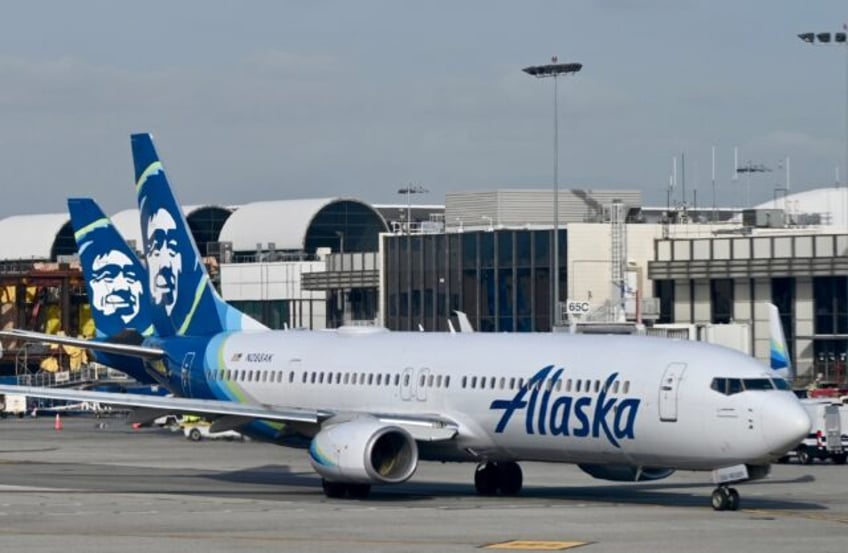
<point x="583" y="416"/>
<point x="115" y="285"/>
<point x="164" y="260"/>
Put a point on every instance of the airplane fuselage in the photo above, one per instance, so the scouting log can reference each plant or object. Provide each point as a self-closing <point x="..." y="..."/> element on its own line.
<point x="543" y="397"/>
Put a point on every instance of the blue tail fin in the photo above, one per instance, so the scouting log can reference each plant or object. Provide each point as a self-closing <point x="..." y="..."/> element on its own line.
<point x="779" y="354"/>
<point x="183" y="298"/>
<point x="114" y="277"/>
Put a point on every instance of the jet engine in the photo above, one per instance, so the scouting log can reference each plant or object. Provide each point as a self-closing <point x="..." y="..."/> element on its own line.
<point x="364" y="451"/>
<point x="626" y="473"/>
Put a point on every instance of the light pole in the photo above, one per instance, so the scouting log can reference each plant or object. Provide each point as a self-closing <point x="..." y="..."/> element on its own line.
<point x="554" y="70"/>
<point x="411" y="189"/>
<point x="838" y="39"/>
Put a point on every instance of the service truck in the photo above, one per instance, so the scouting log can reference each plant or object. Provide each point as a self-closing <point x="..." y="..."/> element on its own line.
<point x="828" y="437"/>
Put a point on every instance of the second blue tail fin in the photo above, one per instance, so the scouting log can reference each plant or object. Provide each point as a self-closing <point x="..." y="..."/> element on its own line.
<point x="115" y="279"/>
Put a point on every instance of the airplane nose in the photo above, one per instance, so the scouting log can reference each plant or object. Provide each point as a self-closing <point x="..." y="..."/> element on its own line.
<point x="785" y="423"/>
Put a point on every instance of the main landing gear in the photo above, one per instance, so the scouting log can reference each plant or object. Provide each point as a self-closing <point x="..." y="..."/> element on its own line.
<point x="494" y="476"/>
<point x="725" y="499"/>
<point x="342" y="490"/>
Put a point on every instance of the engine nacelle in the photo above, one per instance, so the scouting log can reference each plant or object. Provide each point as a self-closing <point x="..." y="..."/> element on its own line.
<point x="365" y="451"/>
<point x="626" y="473"/>
<point x="757" y="472"/>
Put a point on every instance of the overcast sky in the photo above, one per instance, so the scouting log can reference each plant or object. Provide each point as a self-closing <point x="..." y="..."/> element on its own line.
<point x="265" y="100"/>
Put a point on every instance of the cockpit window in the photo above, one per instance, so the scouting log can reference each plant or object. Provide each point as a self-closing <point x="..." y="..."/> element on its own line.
<point x="758" y="384"/>
<point x="781" y="384"/>
<point x="730" y="386"/>
<point x="734" y="386"/>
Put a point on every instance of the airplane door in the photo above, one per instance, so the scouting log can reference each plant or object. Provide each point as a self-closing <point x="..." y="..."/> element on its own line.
<point x="185" y="373"/>
<point x="421" y="384"/>
<point x="669" y="388"/>
<point x="407" y="383"/>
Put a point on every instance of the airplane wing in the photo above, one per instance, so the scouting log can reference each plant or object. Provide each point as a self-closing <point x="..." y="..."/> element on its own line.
<point x="422" y="428"/>
<point x="175" y="404"/>
<point x="129" y="350"/>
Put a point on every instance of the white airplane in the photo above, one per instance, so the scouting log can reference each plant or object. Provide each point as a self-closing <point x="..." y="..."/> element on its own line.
<point x="369" y="404"/>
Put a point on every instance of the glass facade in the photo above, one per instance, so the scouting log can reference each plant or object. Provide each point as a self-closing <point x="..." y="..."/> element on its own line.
<point x="206" y="224"/>
<point x="345" y="226"/>
<point x="721" y="300"/>
<point x="501" y="279"/>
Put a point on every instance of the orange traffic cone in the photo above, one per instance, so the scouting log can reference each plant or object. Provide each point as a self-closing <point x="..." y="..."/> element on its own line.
<point x="58" y="424"/>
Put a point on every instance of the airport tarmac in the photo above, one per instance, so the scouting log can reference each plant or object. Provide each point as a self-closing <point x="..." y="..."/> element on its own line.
<point x="99" y="485"/>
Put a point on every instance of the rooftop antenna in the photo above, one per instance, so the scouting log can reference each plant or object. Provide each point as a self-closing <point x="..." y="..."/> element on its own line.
<point x="715" y="214"/>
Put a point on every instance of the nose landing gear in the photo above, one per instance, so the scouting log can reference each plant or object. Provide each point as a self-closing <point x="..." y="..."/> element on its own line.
<point x="725" y="499"/>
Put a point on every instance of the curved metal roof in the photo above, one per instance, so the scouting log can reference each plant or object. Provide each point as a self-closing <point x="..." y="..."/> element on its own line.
<point x="283" y="222"/>
<point x="29" y="236"/>
<point x="830" y="203"/>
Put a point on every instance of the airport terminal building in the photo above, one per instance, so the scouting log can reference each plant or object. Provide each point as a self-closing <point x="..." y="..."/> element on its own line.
<point x="321" y="263"/>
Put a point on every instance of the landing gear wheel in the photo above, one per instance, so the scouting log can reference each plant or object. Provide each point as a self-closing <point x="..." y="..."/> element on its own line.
<point x="720" y="499"/>
<point x="486" y="478"/>
<point x="510" y="478"/>
<point x="358" y="491"/>
<point x="334" y="490"/>
<point x="732" y="499"/>
<point x="725" y="499"/>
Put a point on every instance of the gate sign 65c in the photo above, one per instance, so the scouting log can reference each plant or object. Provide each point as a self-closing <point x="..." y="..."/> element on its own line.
<point x="574" y="307"/>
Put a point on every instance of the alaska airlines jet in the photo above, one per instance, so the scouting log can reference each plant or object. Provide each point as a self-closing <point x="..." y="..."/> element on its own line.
<point x="369" y="404"/>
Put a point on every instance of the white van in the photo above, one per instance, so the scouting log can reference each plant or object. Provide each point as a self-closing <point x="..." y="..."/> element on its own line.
<point x="828" y="437"/>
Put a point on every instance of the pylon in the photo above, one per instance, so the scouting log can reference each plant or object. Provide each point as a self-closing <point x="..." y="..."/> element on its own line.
<point x="57" y="425"/>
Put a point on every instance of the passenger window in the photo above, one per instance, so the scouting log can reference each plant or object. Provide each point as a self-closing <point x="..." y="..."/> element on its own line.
<point x="597" y="386"/>
<point x="502" y="383"/>
<point x="464" y="381"/>
<point x="430" y="380"/>
<point x="512" y="383"/>
<point x="577" y="386"/>
<point x="304" y="378"/>
<point x="626" y="386"/>
<point x="370" y="379"/>
<point x="447" y="382"/>
<point x="473" y="381"/>
<point x="439" y="381"/>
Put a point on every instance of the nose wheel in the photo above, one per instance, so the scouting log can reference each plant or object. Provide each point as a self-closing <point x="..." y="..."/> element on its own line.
<point x="493" y="477"/>
<point x="725" y="499"/>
